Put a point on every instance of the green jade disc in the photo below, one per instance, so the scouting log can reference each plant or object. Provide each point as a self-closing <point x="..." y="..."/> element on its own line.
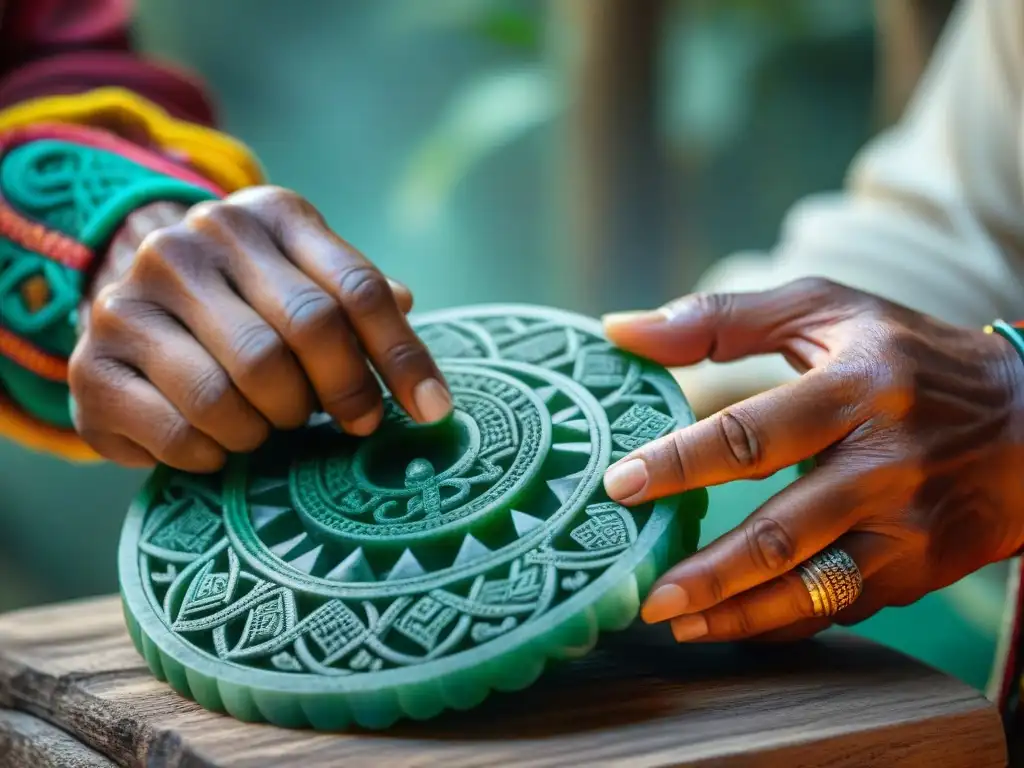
<point x="326" y="581"/>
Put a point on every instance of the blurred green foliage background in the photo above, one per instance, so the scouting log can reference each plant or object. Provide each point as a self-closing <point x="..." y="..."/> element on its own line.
<point x="431" y="135"/>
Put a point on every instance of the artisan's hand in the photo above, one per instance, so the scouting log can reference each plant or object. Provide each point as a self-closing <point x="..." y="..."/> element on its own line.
<point x="918" y="430"/>
<point x="212" y="326"/>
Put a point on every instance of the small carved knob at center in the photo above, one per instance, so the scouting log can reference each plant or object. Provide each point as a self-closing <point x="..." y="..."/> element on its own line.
<point x="418" y="473"/>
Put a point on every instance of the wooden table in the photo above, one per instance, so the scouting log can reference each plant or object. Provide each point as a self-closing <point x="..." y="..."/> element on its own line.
<point x="74" y="693"/>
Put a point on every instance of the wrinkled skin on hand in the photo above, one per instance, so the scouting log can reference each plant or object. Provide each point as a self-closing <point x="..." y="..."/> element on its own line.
<point x="918" y="432"/>
<point x="208" y="327"/>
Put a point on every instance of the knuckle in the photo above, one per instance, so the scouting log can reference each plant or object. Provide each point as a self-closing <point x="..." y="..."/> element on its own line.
<point x="172" y="435"/>
<point x="269" y="193"/>
<point x="740" y="439"/>
<point x="715" y="585"/>
<point x="770" y="545"/>
<point x="158" y="245"/>
<point x="206" y="391"/>
<point x="206" y="211"/>
<point x="216" y="219"/>
<point x="872" y="307"/>
<point x="713" y="305"/>
<point x="115" y="310"/>
<point x="671" y="456"/>
<point x="307" y="312"/>
<point x="352" y="402"/>
<point x="92" y="379"/>
<point x="179" y="445"/>
<point x="255" y="347"/>
<point x="893" y="370"/>
<point x="169" y="256"/>
<point x="279" y="202"/>
<point x="365" y="291"/>
<point x="107" y="311"/>
<point x="816" y="286"/>
<point x="739" y="620"/>
<point x="406" y="355"/>
<point x="746" y="621"/>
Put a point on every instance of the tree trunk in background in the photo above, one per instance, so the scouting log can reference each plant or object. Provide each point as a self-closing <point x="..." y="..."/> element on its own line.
<point x="613" y="171"/>
<point x="907" y="33"/>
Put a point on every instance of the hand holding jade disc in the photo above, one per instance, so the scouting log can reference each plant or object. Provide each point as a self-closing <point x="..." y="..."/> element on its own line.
<point x="213" y="325"/>
<point x="917" y="428"/>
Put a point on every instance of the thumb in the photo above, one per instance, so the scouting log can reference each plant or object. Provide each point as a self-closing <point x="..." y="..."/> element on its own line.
<point x="728" y="326"/>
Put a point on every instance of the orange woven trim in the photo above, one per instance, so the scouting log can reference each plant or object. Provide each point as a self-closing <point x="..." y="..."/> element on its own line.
<point x="30" y="433"/>
<point x="31" y="358"/>
<point x="38" y="239"/>
<point x="56" y="246"/>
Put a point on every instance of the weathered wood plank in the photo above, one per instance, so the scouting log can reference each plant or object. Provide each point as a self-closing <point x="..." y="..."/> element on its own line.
<point x="640" y="700"/>
<point x="28" y="742"/>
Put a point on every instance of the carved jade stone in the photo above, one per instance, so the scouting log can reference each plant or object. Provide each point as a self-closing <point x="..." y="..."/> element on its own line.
<point x="326" y="581"/>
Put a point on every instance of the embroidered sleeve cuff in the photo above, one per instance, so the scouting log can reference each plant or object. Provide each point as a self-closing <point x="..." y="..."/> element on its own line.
<point x="66" y="185"/>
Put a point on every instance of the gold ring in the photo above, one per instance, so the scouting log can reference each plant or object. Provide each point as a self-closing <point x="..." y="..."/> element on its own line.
<point x="833" y="580"/>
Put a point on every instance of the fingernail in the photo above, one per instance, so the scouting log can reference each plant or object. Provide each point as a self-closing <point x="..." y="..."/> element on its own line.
<point x="666" y="602"/>
<point x="365" y="424"/>
<point x="625" y="479"/>
<point x="635" y="318"/>
<point x="432" y="400"/>
<point x="689" y="627"/>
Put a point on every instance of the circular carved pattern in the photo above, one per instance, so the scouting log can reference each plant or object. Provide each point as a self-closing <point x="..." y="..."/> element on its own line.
<point x="326" y="580"/>
<point x="407" y="480"/>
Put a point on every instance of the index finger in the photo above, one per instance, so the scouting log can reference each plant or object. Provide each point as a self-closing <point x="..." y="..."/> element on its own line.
<point x="366" y="296"/>
<point x="750" y="440"/>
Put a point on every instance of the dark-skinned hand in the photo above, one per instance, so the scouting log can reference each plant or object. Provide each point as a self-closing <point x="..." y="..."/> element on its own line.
<point x="918" y="432"/>
<point x="210" y="326"/>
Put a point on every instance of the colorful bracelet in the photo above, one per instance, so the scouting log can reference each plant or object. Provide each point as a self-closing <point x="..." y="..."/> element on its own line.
<point x="1008" y="332"/>
<point x="64" y="192"/>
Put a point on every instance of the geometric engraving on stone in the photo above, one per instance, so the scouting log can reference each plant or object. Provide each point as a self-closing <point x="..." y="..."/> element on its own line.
<point x="601" y="531"/>
<point x="417" y="568"/>
<point x="451" y="341"/>
<point x="191" y="531"/>
<point x="208" y="589"/>
<point x="601" y="368"/>
<point x="536" y="348"/>
<point x="640" y="425"/>
<point x="521" y="586"/>
<point x="333" y="626"/>
<point x="425" y="621"/>
<point x="265" y="622"/>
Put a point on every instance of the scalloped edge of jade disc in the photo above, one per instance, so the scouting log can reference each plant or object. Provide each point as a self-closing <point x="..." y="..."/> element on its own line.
<point x="510" y="663"/>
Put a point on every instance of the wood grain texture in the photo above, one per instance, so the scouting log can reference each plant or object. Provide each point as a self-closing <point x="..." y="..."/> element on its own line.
<point x="28" y="742"/>
<point x="639" y="700"/>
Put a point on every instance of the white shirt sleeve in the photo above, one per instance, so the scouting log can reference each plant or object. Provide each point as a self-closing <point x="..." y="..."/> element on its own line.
<point x="933" y="213"/>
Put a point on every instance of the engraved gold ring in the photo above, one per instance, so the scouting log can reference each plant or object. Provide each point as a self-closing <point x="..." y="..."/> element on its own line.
<point x="833" y="580"/>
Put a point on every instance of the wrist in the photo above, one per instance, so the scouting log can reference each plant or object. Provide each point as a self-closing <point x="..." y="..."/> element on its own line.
<point x="119" y="255"/>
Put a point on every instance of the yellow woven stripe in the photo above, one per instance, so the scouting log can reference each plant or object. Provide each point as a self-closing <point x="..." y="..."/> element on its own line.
<point x="226" y="162"/>
<point x="37" y="436"/>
